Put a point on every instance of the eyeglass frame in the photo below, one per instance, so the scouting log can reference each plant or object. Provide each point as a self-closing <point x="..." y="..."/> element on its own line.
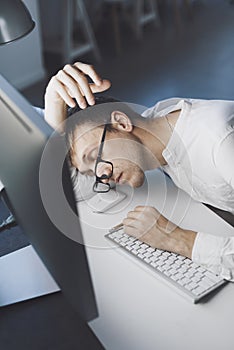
<point x="99" y="160"/>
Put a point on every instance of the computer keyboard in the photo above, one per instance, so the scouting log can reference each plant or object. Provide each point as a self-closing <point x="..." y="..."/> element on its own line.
<point x="190" y="279"/>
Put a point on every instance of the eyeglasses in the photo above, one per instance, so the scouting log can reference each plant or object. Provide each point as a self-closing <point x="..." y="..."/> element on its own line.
<point x="102" y="167"/>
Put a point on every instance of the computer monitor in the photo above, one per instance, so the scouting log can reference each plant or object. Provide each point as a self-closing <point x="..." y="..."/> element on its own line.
<point x="23" y="137"/>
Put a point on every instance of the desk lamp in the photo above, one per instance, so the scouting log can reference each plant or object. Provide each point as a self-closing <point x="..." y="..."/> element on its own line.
<point x="15" y="21"/>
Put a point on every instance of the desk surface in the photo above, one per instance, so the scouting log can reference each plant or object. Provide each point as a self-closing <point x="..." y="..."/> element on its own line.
<point x="137" y="310"/>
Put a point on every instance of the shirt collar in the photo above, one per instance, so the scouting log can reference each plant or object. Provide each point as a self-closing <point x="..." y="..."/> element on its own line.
<point x="175" y="151"/>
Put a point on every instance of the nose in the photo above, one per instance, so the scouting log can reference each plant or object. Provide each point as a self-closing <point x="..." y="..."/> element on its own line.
<point x="104" y="171"/>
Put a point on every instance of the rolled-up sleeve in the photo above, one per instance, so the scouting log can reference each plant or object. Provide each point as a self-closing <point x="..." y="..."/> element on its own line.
<point x="215" y="253"/>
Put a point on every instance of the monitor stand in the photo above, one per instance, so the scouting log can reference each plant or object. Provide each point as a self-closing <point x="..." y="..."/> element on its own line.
<point x="23" y="276"/>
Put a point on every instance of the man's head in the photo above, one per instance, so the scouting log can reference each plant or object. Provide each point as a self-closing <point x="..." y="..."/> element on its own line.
<point x="121" y="147"/>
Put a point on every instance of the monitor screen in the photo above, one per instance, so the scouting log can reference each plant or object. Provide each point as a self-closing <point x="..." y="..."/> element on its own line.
<point x="23" y="139"/>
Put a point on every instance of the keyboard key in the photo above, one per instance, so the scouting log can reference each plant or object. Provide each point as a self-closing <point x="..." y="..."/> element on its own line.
<point x="160" y="268"/>
<point x="136" y="246"/>
<point x="153" y="258"/>
<point x="187" y="261"/>
<point x="147" y="255"/>
<point x="154" y="264"/>
<point x="156" y="253"/>
<point x="182" y="282"/>
<point x="135" y="252"/>
<point x="206" y="283"/>
<point x="201" y="269"/>
<point x="172" y="258"/>
<point x="141" y="256"/>
<point x="167" y="273"/>
<point x="180" y="275"/>
<point x="189" y="287"/>
<point x="199" y="275"/>
<point x="150" y="250"/>
<point x="186" y="280"/>
<point x="160" y="251"/>
<point x="178" y="262"/>
<point x="175" y="277"/>
<point x="144" y="246"/>
<point x="180" y="257"/>
<point x="165" y="254"/>
<point x="137" y="242"/>
<point x="195" y="279"/>
<point x="192" y="285"/>
<point x="183" y="269"/>
<point x="173" y="271"/>
<point x="141" y="251"/>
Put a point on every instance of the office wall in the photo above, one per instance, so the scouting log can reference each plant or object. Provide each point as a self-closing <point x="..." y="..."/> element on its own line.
<point x="21" y="61"/>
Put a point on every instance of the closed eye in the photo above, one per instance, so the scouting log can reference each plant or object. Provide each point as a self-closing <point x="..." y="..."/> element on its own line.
<point x="87" y="172"/>
<point x="92" y="155"/>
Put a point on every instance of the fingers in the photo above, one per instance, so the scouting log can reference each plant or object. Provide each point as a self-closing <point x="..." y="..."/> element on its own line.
<point x="138" y="223"/>
<point x="71" y="88"/>
<point x="90" y="71"/>
<point x="63" y="93"/>
<point x="72" y="82"/>
<point x="105" y="85"/>
<point x="99" y="84"/>
<point x="81" y="82"/>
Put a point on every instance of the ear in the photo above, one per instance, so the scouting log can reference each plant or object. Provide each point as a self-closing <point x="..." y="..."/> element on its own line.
<point x="121" y="121"/>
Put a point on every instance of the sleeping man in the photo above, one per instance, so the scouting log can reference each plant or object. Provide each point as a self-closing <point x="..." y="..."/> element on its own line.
<point x="191" y="140"/>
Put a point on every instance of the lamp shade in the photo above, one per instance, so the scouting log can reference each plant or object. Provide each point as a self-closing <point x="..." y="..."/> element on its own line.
<point x="15" y="20"/>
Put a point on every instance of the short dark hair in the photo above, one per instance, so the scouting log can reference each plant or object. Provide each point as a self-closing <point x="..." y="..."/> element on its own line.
<point x="99" y="114"/>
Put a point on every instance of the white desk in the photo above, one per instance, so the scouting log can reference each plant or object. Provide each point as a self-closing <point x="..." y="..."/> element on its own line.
<point x="139" y="311"/>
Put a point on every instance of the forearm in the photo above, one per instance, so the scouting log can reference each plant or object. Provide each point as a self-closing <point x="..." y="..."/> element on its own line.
<point x="55" y="113"/>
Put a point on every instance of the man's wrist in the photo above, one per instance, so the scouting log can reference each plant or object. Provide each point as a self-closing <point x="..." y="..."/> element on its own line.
<point x="55" y="114"/>
<point x="182" y="242"/>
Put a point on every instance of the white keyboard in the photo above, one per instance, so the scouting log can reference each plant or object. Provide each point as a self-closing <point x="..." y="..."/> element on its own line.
<point x="190" y="279"/>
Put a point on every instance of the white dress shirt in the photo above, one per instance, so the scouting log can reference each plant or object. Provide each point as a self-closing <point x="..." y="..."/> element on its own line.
<point x="200" y="160"/>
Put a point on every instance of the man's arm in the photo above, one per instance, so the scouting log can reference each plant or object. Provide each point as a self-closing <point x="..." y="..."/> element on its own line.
<point x="214" y="253"/>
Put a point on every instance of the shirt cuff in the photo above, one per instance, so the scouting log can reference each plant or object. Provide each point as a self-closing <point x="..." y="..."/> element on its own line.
<point x="207" y="251"/>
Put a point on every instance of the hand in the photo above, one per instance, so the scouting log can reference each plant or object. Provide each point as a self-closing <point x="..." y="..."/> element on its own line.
<point x="149" y="226"/>
<point x="71" y="82"/>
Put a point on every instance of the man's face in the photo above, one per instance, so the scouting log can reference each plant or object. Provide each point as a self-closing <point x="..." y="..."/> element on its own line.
<point x="121" y="148"/>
